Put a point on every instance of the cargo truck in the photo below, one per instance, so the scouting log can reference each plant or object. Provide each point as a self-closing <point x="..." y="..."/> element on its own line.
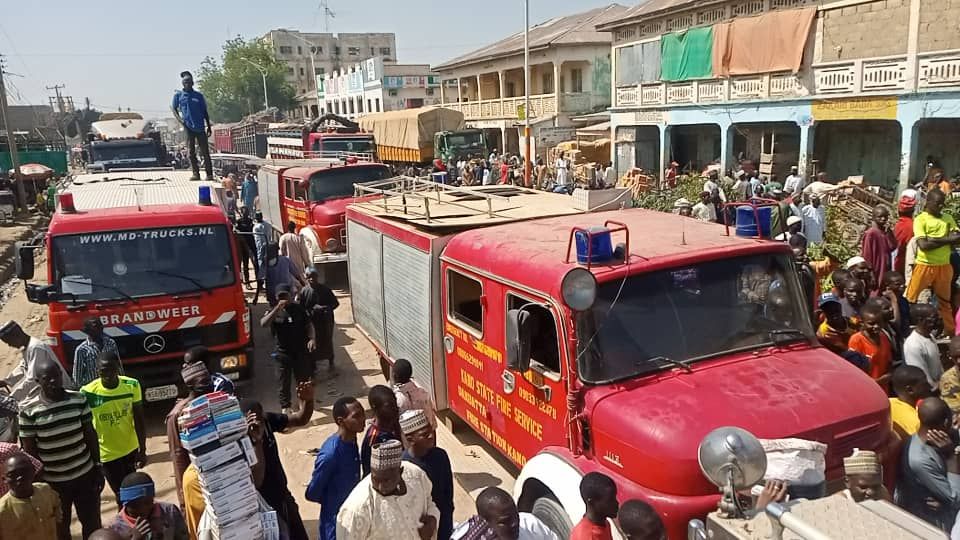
<point x="329" y="136"/>
<point x="418" y="136"/>
<point x="124" y="141"/>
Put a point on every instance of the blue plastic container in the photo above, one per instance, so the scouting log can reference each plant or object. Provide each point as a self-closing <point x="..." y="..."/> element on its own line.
<point x="601" y="248"/>
<point x="747" y="220"/>
<point x="439" y="177"/>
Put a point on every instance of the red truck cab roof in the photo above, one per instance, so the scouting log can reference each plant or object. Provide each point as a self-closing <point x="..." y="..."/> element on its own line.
<point x="115" y="219"/>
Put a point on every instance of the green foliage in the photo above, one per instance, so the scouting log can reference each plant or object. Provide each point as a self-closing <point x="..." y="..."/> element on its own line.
<point x="688" y="187"/>
<point x="233" y="87"/>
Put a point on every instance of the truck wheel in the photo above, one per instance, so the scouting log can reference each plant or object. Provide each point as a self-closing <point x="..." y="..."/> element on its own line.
<point x="549" y="511"/>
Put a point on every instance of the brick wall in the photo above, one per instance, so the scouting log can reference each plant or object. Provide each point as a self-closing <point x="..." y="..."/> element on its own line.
<point x="866" y="30"/>
<point x="939" y="25"/>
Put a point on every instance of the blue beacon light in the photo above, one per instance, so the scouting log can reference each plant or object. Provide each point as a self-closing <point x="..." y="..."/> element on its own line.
<point x="205" y="198"/>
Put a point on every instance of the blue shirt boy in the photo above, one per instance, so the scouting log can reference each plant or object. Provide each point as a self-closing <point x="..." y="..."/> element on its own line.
<point x="335" y="473"/>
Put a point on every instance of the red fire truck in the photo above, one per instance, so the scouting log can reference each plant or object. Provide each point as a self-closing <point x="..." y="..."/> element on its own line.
<point x="314" y="194"/>
<point x="329" y="136"/>
<point x="153" y="256"/>
<point x="570" y="356"/>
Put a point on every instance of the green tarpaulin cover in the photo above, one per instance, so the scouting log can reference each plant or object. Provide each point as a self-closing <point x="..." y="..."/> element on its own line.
<point x="687" y="55"/>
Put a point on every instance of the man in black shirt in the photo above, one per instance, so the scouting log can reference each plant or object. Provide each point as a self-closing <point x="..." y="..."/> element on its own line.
<point x="246" y="245"/>
<point x="421" y="444"/>
<point x="294" y="339"/>
<point x="319" y="302"/>
<point x="274" y="490"/>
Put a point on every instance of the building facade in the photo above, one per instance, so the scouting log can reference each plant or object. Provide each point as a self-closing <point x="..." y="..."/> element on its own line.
<point x="847" y="87"/>
<point x="569" y="76"/>
<point x="377" y="85"/>
<point x="311" y="56"/>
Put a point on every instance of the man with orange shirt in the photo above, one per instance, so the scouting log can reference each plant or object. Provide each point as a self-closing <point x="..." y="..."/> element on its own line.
<point x="874" y="344"/>
<point x="599" y="493"/>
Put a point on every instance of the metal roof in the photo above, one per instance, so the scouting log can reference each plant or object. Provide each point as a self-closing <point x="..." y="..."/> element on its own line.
<point x="137" y="188"/>
<point x="644" y="9"/>
<point x="576" y="29"/>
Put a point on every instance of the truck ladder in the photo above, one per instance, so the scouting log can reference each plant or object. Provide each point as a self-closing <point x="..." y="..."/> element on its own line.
<point x="424" y="193"/>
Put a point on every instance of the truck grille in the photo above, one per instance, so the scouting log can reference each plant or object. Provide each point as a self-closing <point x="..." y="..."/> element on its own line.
<point x="175" y="341"/>
<point x="343" y="237"/>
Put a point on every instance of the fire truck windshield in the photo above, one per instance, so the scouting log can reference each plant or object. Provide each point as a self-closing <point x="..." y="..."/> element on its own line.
<point x="691" y="313"/>
<point x="338" y="182"/>
<point x="143" y="262"/>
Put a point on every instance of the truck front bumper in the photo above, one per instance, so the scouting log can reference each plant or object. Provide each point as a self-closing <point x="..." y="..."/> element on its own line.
<point x="326" y="258"/>
<point x="161" y="381"/>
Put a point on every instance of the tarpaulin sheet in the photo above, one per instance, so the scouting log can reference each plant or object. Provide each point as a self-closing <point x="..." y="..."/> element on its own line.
<point x="687" y="55"/>
<point x="411" y="128"/>
<point x="638" y="63"/>
<point x="763" y="44"/>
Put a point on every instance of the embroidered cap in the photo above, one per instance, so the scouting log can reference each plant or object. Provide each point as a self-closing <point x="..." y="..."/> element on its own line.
<point x="861" y="462"/>
<point x="413" y="420"/>
<point x="194" y="372"/>
<point x="386" y="455"/>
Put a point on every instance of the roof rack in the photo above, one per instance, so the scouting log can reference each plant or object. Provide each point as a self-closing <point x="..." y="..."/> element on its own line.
<point x="431" y="204"/>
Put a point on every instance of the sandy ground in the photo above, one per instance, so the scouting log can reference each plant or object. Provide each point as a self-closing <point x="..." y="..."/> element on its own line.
<point x="476" y="465"/>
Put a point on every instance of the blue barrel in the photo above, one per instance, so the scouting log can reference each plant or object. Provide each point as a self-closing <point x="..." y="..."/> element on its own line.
<point x="747" y="223"/>
<point x="439" y="177"/>
<point x="601" y="248"/>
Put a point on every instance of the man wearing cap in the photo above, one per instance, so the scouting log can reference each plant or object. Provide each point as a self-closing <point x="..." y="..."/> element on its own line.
<point x="294" y="340"/>
<point x="392" y="502"/>
<point x="863" y="477"/>
<point x="835" y="330"/>
<point x="903" y="229"/>
<point x="936" y="234"/>
<point x="794" y="226"/>
<point x="794" y="183"/>
<point x="196" y="377"/>
<point x="20" y="381"/>
<point x="705" y="210"/>
<point x="683" y="207"/>
<point x="190" y="109"/>
<point x="878" y="244"/>
<point x="421" y="439"/>
<point x="814" y="219"/>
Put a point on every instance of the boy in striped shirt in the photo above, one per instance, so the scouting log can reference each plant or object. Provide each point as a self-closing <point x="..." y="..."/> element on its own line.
<point x="56" y="427"/>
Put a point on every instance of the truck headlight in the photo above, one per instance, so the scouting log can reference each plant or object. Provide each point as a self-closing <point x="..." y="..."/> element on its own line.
<point x="579" y="289"/>
<point x="233" y="361"/>
<point x="332" y="244"/>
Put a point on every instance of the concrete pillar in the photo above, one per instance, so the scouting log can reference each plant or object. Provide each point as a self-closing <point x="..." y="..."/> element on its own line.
<point x="479" y="92"/>
<point x="726" y="147"/>
<point x="806" y="152"/>
<point x="503" y="140"/>
<point x="557" y="68"/>
<point x="459" y="90"/>
<point x="502" y="84"/>
<point x="443" y="101"/>
<point x="909" y="148"/>
<point x="664" y="151"/>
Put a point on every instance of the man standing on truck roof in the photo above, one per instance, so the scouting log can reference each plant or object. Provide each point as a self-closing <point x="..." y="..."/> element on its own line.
<point x="190" y="109"/>
<point x="85" y="357"/>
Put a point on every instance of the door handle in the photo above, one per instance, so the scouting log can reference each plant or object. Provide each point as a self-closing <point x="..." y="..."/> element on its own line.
<point x="509" y="382"/>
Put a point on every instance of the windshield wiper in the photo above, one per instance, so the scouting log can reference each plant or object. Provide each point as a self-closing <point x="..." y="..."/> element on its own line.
<point x="199" y="285"/>
<point x="108" y="287"/>
<point x="678" y="363"/>
<point x="784" y="335"/>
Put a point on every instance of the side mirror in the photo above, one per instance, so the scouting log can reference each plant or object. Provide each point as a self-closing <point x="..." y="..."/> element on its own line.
<point x="520" y="329"/>
<point x="23" y="260"/>
<point x="41" y="294"/>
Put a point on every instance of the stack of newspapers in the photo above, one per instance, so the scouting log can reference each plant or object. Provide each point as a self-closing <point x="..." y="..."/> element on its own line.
<point x="214" y="432"/>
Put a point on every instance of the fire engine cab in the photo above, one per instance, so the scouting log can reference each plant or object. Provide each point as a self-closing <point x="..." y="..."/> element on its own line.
<point x="314" y="195"/>
<point x="153" y="256"/>
<point x="606" y="341"/>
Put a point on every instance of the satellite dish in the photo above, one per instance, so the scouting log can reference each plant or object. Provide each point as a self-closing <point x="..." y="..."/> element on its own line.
<point x="732" y="459"/>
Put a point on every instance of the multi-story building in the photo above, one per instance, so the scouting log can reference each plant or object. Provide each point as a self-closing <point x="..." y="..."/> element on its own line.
<point x="569" y="76"/>
<point x="845" y="87"/>
<point x="377" y="85"/>
<point x="311" y="56"/>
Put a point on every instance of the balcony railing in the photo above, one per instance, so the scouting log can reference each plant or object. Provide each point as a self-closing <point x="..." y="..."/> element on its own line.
<point x="935" y="71"/>
<point x="540" y="105"/>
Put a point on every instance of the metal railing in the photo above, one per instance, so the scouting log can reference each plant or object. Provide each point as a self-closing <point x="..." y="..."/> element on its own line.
<point x="415" y="197"/>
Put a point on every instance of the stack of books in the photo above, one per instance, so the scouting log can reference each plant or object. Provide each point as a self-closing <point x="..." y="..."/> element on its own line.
<point x="214" y="432"/>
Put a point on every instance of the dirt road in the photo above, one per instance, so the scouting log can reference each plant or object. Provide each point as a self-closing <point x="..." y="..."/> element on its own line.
<point x="475" y="464"/>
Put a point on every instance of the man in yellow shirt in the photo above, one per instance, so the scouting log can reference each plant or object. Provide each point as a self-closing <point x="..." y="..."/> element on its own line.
<point x="936" y="234"/>
<point x="910" y="386"/>
<point x="28" y="510"/>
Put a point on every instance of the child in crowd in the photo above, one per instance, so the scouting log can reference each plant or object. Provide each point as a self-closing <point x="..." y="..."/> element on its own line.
<point x="893" y="287"/>
<point x="920" y="348"/>
<point x="639" y="521"/>
<point x="835" y="330"/>
<point x="142" y="516"/>
<point x="410" y="395"/>
<point x="909" y="387"/>
<point x="599" y="493"/>
<point x="29" y="510"/>
<point x="873" y="343"/>
<point x="891" y="318"/>
<point x="950" y="380"/>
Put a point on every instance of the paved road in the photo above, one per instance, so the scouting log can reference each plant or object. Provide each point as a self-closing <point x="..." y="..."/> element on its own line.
<point x="475" y="464"/>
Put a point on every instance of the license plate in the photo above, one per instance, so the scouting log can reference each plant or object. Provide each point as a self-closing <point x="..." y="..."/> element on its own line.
<point x="233" y="375"/>
<point x="160" y="393"/>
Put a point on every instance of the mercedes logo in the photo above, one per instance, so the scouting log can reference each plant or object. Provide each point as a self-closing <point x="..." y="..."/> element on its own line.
<point x="154" y="343"/>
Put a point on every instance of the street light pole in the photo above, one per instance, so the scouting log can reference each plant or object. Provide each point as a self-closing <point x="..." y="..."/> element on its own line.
<point x="526" y="92"/>
<point x="263" y="75"/>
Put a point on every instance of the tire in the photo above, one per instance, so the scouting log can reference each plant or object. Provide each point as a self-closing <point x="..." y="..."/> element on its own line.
<point x="549" y="511"/>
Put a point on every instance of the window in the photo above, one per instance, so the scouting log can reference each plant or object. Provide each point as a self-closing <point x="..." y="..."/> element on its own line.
<point x="576" y="80"/>
<point x="319" y="72"/>
<point x="546" y="83"/>
<point x="353" y="51"/>
<point x="299" y="49"/>
<point x="377" y="102"/>
<point x="300" y="192"/>
<point x="285" y="49"/>
<point x="544" y="349"/>
<point x="289" y="70"/>
<point x="316" y="50"/>
<point x="288" y="192"/>
<point x="373" y="51"/>
<point x="369" y="106"/>
<point x="302" y="72"/>
<point x="429" y="91"/>
<point x="336" y="51"/>
<point x="360" y="105"/>
<point x="511" y="89"/>
<point x="385" y="51"/>
<point x="463" y="301"/>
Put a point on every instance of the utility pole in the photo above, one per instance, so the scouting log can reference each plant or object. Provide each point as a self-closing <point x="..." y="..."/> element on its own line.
<point x="56" y="88"/>
<point x="263" y="74"/>
<point x="327" y="15"/>
<point x="11" y="141"/>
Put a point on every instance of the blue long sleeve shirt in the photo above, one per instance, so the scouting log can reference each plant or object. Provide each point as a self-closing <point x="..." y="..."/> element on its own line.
<point x="336" y="472"/>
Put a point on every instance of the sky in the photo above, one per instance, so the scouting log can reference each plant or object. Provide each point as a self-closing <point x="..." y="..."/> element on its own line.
<point x="129" y="53"/>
